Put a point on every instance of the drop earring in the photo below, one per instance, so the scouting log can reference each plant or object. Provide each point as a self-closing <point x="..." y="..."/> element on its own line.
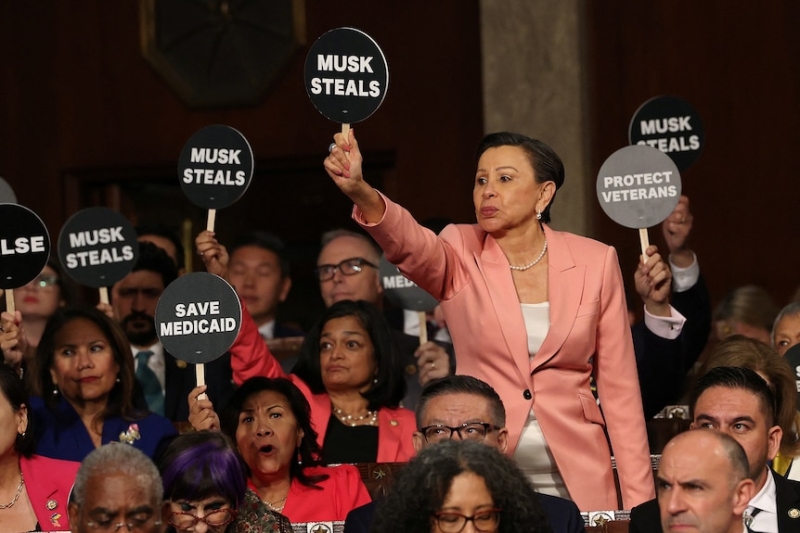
<point x="538" y="215"/>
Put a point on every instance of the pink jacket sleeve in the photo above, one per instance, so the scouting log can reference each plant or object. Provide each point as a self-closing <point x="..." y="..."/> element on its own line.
<point x="250" y="356"/>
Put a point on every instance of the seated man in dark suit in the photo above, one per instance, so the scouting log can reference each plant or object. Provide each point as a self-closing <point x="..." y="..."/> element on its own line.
<point x="703" y="483"/>
<point x="467" y="408"/>
<point x="738" y="402"/>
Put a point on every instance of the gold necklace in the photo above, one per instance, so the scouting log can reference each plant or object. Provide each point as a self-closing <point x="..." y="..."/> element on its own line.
<point x="16" y="496"/>
<point x="273" y="505"/>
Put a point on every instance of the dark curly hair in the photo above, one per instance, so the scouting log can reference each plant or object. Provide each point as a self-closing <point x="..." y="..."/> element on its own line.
<point x="389" y="387"/>
<point x="309" y="450"/>
<point x="422" y="486"/>
<point x="11" y="387"/>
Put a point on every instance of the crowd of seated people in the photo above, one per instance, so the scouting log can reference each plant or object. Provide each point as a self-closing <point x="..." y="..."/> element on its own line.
<point x="549" y="368"/>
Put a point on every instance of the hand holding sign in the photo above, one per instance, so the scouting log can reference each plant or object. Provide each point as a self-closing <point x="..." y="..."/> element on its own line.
<point x="98" y="247"/>
<point x="24" y="248"/>
<point x="638" y="187"/>
<point x="215" y="168"/>
<point x="198" y="319"/>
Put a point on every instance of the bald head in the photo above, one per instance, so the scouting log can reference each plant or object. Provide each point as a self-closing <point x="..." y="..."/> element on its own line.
<point x="703" y="483"/>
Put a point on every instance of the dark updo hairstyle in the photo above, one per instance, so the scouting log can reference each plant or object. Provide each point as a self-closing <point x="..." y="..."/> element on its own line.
<point x="120" y="398"/>
<point x="546" y="164"/>
<point x="309" y="451"/>
<point x="420" y="488"/>
<point x="11" y="387"/>
<point x="389" y="386"/>
<point x="196" y="466"/>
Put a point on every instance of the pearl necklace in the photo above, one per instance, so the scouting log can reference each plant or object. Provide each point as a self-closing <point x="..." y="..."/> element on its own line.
<point x="16" y="496"/>
<point x="371" y="417"/>
<point x="526" y="267"/>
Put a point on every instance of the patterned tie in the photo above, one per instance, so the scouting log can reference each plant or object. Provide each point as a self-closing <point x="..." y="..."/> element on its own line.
<point x="149" y="382"/>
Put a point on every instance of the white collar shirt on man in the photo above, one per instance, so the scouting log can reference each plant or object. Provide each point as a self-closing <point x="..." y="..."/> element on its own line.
<point x="766" y="519"/>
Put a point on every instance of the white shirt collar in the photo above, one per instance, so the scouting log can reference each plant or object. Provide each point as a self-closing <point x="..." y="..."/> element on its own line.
<point x="267" y="330"/>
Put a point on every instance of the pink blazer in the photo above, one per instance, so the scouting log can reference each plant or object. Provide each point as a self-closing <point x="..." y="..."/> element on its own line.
<point x="466" y="270"/>
<point x="250" y="357"/>
<point x="48" y="482"/>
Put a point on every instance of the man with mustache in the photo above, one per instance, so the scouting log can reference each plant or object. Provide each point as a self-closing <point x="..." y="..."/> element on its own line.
<point x="165" y="381"/>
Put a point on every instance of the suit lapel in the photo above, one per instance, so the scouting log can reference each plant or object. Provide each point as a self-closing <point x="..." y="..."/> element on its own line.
<point x="493" y="265"/>
<point x="787" y="499"/>
<point x="565" y="288"/>
<point x="390" y="435"/>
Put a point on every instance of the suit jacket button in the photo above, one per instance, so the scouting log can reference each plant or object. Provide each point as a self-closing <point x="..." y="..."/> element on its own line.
<point x="527" y="394"/>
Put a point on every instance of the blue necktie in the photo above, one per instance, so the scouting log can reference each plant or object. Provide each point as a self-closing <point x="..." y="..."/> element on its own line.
<point x="149" y="382"/>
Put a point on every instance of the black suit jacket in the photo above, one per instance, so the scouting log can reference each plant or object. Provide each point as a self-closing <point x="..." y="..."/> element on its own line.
<point x="646" y="518"/>
<point x="562" y="515"/>
<point x="662" y="363"/>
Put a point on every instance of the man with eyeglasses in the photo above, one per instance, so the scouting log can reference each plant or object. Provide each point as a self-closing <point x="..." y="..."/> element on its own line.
<point x="117" y="489"/>
<point x="464" y="407"/>
<point x="347" y="269"/>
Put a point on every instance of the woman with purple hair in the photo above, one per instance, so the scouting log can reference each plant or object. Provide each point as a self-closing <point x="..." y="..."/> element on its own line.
<point x="205" y="487"/>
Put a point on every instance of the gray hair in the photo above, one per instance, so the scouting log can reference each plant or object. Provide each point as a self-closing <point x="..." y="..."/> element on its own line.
<point x="330" y="236"/>
<point x="117" y="457"/>
<point x="790" y="310"/>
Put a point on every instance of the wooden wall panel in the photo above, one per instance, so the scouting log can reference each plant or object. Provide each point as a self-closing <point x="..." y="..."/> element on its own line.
<point x="738" y="65"/>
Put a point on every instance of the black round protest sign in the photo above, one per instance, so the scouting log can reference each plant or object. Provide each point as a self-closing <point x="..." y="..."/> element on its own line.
<point x="403" y="292"/>
<point x="346" y="75"/>
<point x="7" y="195"/>
<point x="669" y="124"/>
<point x="97" y="247"/>
<point x="215" y="167"/>
<point x="638" y="186"/>
<point x="198" y="317"/>
<point x="24" y="246"/>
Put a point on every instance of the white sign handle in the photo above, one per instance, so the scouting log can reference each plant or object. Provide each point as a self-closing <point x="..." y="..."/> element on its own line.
<point x="10" y="307"/>
<point x="423" y="327"/>
<point x="212" y="218"/>
<point x="104" y="295"/>
<point x="645" y="242"/>
<point x="200" y="374"/>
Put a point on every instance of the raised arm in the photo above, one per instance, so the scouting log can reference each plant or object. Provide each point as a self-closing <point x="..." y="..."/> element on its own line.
<point x="343" y="165"/>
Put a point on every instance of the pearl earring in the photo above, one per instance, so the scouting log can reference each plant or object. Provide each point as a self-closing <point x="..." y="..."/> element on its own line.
<point x="538" y="215"/>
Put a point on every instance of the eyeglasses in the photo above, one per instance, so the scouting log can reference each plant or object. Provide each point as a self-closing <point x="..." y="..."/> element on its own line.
<point x="220" y="517"/>
<point x="455" y="522"/>
<point x="44" y="282"/>
<point x="136" y="525"/>
<point x="348" y="267"/>
<point x="469" y="431"/>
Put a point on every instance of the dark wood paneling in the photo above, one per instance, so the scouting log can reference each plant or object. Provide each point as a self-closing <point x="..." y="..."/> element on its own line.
<point x="738" y="64"/>
<point x="78" y="100"/>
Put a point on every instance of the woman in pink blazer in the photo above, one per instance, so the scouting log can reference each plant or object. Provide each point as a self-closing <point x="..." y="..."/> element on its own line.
<point x="532" y="311"/>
